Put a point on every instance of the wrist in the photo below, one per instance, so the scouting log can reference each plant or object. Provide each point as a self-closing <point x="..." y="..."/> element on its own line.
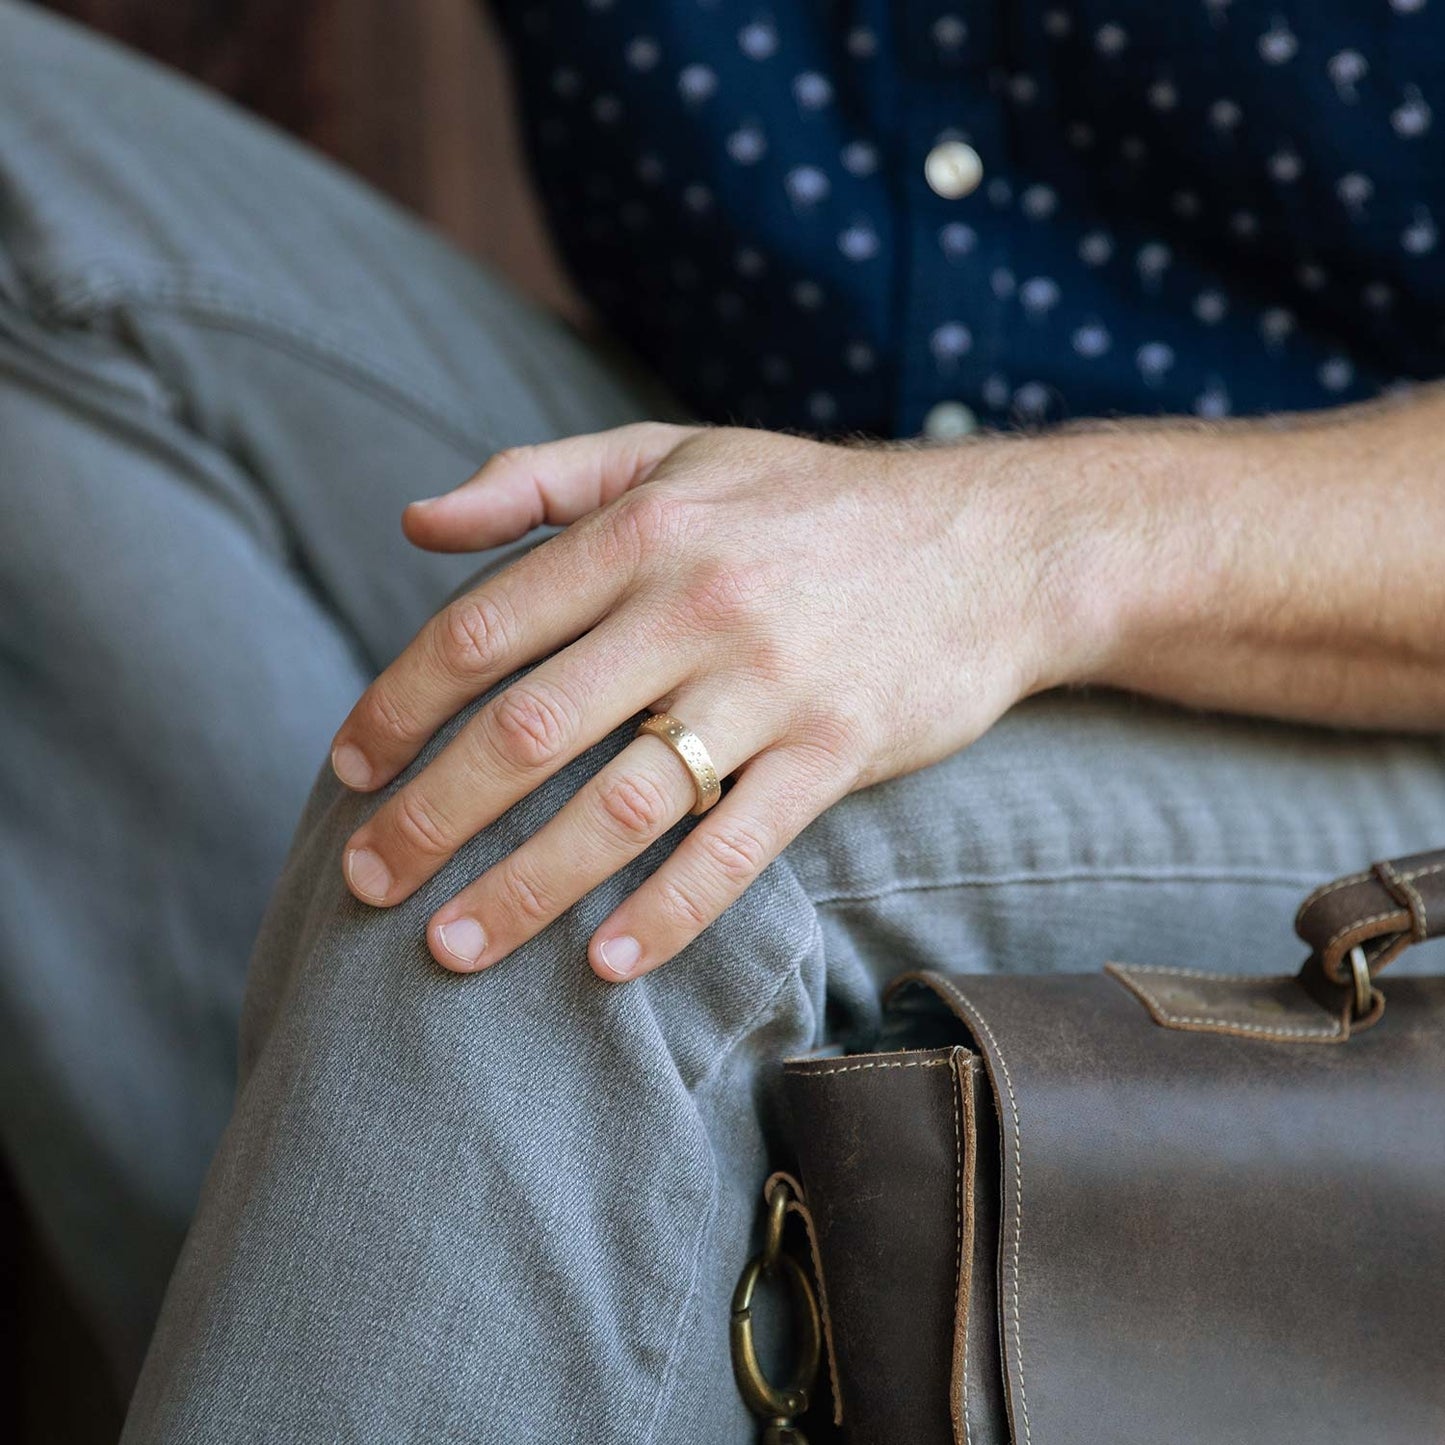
<point x="1146" y="571"/>
<point x="1120" y="561"/>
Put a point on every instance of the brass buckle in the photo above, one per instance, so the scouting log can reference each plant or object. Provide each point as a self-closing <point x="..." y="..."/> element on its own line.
<point x="777" y="1405"/>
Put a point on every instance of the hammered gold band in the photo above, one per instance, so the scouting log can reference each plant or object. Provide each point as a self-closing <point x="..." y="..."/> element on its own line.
<point x="689" y="747"/>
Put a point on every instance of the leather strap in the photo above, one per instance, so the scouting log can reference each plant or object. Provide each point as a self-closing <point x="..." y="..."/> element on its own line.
<point x="1382" y="911"/>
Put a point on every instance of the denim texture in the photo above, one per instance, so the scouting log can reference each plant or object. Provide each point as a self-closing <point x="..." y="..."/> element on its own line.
<point x="505" y="1208"/>
<point x="224" y="369"/>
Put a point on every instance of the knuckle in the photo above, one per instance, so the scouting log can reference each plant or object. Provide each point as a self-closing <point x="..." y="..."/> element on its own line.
<point x="532" y="725"/>
<point x="831" y="759"/>
<point x="526" y="459"/>
<point x="604" y="545"/>
<point x="527" y="899"/>
<point x="519" y="455"/>
<point x="737" y="853"/>
<point x="830" y="740"/>
<point x="722" y="594"/>
<point x="636" y="807"/>
<point x="770" y="658"/>
<point x="651" y="521"/>
<point x="472" y="635"/>
<point x="680" y="911"/>
<point x="387" y="717"/>
<point x="418" y="828"/>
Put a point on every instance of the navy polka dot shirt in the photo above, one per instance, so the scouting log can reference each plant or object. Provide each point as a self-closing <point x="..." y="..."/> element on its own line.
<point x="905" y="216"/>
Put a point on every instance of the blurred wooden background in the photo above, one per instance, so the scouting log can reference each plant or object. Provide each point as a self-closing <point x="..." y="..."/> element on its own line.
<point x="411" y="94"/>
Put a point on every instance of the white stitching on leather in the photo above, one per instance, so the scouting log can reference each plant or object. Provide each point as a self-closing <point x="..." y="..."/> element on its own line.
<point x="949" y="985"/>
<point x="1421" y="920"/>
<point x="1126" y="974"/>
<point x="1421" y="872"/>
<point x="801" y="1068"/>
<point x="1355" y="923"/>
<point x="805" y="1068"/>
<point x="958" y="1253"/>
<point x="1187" y="972"/>
<point x="1426" y="872"/>
<point x="1327" y="888"/>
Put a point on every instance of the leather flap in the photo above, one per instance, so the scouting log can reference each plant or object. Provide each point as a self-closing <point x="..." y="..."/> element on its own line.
<point x="886" y="1147"/>
<point x="1262" y="1006"/>
<point x="1207" y="1234"/>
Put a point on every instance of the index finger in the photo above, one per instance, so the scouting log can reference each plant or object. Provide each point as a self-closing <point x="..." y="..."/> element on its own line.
<point x="545" y="599"/>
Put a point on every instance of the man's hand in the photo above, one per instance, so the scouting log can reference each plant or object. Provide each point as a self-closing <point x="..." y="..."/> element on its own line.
<point x="823" y="617"/>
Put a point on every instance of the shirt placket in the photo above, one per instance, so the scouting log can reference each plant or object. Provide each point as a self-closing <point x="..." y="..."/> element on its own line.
<point x="953" y="238"/>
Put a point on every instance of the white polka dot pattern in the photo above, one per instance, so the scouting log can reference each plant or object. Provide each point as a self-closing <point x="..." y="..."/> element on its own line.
<point x="1210" y="206"/>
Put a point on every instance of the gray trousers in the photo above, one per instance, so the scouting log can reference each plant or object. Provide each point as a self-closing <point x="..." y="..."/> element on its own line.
<point x="504" y="1208"/>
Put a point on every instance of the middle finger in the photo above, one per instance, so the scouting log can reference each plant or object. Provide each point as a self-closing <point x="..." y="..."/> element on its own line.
<point x="614" y="817"/>
<point x="517" y="740"/>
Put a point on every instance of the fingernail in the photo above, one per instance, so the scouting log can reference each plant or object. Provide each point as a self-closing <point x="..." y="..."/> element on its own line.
<point x="464" y="939"/>
<point x="620" y="955"/>
<point x="349" y="764"/>
<point x="424" y="501"/>
<point x="367" y="874"/>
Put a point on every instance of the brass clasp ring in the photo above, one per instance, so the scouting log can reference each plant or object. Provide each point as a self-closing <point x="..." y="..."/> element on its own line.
<point x="1364" y="989"/>
<point x="778" y="1404"/>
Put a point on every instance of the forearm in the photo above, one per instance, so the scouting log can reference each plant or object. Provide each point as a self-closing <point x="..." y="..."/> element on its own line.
<point x="1289" y="567"/>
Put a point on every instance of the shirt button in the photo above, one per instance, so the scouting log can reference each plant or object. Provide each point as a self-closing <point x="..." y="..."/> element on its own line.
<point x="949" y="421"/>
<point x="952" y="170"/>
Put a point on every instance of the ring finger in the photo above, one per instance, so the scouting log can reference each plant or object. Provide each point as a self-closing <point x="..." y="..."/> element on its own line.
<point x="532" y="728"/>
<point x="615" y="816"/>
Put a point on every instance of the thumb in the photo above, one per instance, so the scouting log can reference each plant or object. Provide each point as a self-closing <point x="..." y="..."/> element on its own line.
<point x="557" y="482"/>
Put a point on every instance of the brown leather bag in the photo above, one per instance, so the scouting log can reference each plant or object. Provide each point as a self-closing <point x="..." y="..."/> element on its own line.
<point x="1146" y="1206"/>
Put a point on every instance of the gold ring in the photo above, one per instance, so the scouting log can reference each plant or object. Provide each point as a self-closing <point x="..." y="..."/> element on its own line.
<point x="689" y="747"/>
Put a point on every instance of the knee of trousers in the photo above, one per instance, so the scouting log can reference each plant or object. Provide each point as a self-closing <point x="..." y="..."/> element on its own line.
<point x="761" y="959"/>
<point x="480" y="1173"/>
